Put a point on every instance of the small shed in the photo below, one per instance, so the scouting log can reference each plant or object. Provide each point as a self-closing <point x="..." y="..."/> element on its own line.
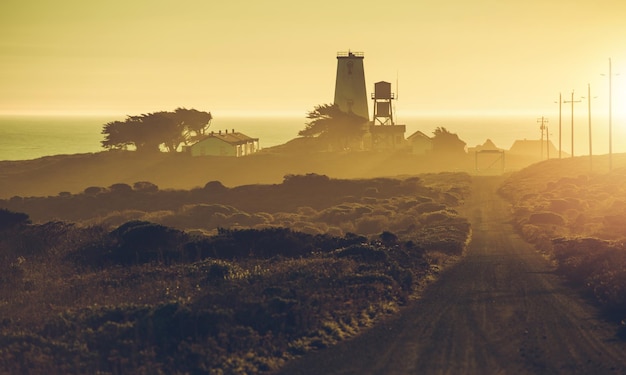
<point x="420" y="143"/>
<point x="224" y="144"/>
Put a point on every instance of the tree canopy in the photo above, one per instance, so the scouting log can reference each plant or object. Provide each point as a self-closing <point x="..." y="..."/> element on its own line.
<point x="10" y="219"/>
<point x="148" y="132"/>
<point x="446" y="142"/>
<point x="329" y="122"/>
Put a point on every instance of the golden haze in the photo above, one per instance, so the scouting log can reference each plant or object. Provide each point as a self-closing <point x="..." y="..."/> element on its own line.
<point x="244" y="57"/>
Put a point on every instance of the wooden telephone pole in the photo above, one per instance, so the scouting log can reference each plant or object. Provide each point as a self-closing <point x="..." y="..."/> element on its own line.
<point x="589" y="122"/>
<point x="572" y="101"/>
<point x="560" y="105"/>
<point x="543" y="127"/>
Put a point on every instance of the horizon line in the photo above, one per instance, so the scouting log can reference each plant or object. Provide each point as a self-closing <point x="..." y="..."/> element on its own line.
<point x="233" y="113"/>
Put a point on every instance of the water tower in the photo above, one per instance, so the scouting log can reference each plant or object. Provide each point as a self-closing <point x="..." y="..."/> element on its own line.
<point x="350" y="91"/>
<point x="382" y="95"/>
<point x="386" y="135"/>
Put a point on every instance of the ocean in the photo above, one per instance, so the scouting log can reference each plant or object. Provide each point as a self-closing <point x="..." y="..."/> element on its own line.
<point x="31" y="137"/>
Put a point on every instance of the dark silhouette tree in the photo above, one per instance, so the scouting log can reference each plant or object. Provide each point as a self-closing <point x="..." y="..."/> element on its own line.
<point x="10" y="219"/>
<point x="194" y="121"/>
<point x="445" y="142"/>
<point x="119" y="134"/>
<point x="162" y="128"/>
<point x="137" y="131"/>
<point x="148" y="132"/>
<point x="330" y="123"/>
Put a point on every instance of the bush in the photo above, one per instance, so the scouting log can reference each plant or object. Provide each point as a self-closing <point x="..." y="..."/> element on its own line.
<point x="120" y="188"/>
<point x="214" y="187"/>
<point x="10" y="219"/>
<point x="546" y="218"/>
<point x="134" y="242"/>
<point x="363" y="253"/>
<point x="372" y="224"/>
<point x="427" y="207"/>
<point x="94" y="190"/>
<point x="145" y="187"/>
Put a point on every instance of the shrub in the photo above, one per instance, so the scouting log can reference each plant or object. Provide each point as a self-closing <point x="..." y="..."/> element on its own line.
<point x="134" y="242"/>
<point x="120" y="188"/>
<point x="426" y="207"/>
<point x="435" y="217"/>
<point x="94" y="190"/>
<point x="10" y="219"/>
<point x="214" y="187"/>
<point x="364" y="253"/>
<point x="372" y="224"/>
<point x="549" y="218"/>
<point x="388" y="238"/>
<point x="310" y="179"/>
<point x="145" y="187"/>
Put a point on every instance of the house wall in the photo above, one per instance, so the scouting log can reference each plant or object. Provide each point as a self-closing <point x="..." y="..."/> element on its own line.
<point x="213" y="147"/>
<point x="218" y="147"/>
<point x="247" y="148"/>
<point x="421" y="146"/>
<point x="388" y="137"/>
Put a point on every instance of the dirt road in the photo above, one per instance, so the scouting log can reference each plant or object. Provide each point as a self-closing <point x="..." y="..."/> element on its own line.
<point x="500" y="310"/>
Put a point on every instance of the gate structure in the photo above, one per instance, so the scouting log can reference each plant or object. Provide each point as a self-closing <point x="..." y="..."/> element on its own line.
<point x="489" y="158"/>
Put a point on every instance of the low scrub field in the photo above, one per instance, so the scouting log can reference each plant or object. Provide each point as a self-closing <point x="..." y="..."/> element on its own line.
<point x="215" y="280"/>
<point x="578" y="218"/>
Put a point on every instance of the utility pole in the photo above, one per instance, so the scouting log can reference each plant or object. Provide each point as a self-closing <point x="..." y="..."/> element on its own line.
<point x="610" y="118"/>
<point x="572" y="101"/>
<point x="543" y="128"/>
<point x="560" y="102"/>
<point x="548" y="142"/>
<point x="589" y="120"/>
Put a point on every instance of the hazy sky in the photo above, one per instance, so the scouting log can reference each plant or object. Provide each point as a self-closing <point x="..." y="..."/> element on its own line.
<point x="271" y="56"/>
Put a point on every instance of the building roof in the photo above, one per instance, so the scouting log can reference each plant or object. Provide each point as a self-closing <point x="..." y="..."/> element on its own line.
<point x="487" y="146"/>
<point x="233" y="138"/>
<point x="531" y="147"/>
<point x="416" y="135"/>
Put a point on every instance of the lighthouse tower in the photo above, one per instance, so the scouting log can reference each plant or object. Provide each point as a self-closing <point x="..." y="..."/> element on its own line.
<point x="350" y="92"/>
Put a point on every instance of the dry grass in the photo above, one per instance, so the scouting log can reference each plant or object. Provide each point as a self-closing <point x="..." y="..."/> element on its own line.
<point x="578" y="219"/>
<point x="72" y="301"/>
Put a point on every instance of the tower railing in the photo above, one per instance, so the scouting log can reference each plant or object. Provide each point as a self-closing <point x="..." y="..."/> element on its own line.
<point x="391" y="96"/>
<point x="350" y="54"/>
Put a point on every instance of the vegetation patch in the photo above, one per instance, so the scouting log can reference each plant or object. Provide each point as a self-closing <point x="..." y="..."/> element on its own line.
<point x="577" y="218"/>
<point x="175" y="295"/>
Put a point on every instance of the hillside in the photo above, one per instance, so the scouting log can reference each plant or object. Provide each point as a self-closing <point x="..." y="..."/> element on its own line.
<point x="124" y="271"/>
<point x="73" y="173"/>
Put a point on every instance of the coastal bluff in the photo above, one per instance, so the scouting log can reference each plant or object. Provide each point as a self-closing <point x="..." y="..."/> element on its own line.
<point x="51" y="175"/>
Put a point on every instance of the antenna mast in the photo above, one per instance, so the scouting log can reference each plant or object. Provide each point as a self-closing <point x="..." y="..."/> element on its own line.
<point x="397" y="96"/>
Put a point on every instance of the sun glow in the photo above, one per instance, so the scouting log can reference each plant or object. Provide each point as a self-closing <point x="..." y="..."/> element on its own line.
<point x="619" y="99"/>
